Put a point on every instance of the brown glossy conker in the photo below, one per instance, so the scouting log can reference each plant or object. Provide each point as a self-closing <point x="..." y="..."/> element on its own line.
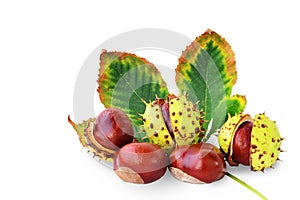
<point x="140" y="163"/>
<point x="113" y="129"/>
<point x="197" y="163"/>
<point x="241" y="143"/>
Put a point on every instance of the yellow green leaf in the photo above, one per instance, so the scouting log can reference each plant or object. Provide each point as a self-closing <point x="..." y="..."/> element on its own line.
<point x="207" y="72"/>
<point x="127" y="81"/>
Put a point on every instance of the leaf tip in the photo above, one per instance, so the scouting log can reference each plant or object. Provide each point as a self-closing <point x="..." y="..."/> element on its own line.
<point x="209" y="31"/>
<point x="71" y="122"/>
<point x="103" y="51"/>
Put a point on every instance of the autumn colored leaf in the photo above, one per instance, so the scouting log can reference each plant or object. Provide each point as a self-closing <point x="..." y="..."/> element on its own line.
<point x="207" y="72"/>
<point x="127" y="81"/>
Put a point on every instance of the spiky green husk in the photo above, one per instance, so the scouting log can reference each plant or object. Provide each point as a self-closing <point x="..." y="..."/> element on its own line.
<point x="264" y="144"/>
<point x="185" y="121"/>
<point x="85" y="132"/>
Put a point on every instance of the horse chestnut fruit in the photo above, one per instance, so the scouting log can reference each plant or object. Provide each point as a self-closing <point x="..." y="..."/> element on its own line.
<point x="140" y="163"/>
<point x="251" y="142"/>
<point x="113" y="129"/>
<point x="198" y="163"/>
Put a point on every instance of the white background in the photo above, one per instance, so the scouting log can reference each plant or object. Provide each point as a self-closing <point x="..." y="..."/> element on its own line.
<point x="42" y="48"/>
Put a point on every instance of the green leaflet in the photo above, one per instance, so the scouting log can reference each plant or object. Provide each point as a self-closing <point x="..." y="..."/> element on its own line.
<point x="127" y="81"/>
<point x="206" y="71"/>
<point x="236" y="104"/>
